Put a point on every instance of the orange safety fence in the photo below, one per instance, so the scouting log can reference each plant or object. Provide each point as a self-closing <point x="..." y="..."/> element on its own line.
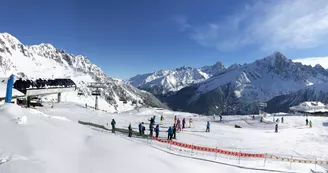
<point x="208" y="149"/>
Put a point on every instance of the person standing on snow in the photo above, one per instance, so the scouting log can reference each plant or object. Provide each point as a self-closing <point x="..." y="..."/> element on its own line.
<point x="179" y="125"/>
<point x="175" y="120"/>
<point x="140" y="128"/>
<point x="214" y="116"/>
<point x="130" y="130"/>
<point x="113" y="123"/>
<point x="276" y="128"/>
<point x="169" y="133"/>
<point x="151" y="121"/>
<point x="220" y="117"/>
<point x="154" y="117"/>
<point x="174" y="131"/>
<point x="143" y="130"/>
<point x="151" y="128"/>
<point x="157" y="130"/>
<point x="208" y="127"/>
<point x="253" y="117"/>
<point x="310" y="123"/>
<point x="183" y="123"/>
<point x="162" y="118"/>
<point x="190" y="122"/>
<point x="282" y="119"/>
<point x="306" y="122"/>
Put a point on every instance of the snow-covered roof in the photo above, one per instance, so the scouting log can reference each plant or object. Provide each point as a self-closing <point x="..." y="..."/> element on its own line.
<point x="3" y="89"/>
<point x="312" y="104"/>
<point x="310" y="107"/>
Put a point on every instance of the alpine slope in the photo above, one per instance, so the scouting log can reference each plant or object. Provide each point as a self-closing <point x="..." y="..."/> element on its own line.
<point x="51" y="140"/>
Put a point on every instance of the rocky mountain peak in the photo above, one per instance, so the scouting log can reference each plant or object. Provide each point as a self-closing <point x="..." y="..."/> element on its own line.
<point x="8" y="39"/>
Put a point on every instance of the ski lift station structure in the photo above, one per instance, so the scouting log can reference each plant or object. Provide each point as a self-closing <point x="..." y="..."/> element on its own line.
<point x="96" y="86"/>
<point x="40" y="87"/>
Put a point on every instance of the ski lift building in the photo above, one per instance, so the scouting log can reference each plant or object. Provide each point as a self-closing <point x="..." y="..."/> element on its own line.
<point x="310" y="107"/>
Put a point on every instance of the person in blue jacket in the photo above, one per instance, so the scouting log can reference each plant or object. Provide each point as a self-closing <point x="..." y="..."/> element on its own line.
<point x="169" y="133"/>
<point x="208" y="126"/>
<point x="157" y="130"/>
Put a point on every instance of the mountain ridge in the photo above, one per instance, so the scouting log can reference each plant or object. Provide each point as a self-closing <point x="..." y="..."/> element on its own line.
<point x="45" y="61"/>
<point x="240" y="87"/>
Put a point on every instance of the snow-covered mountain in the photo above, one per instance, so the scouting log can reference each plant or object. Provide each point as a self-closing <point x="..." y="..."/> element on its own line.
<point x="45" y="61"/>
<point x="237" y="90"/>
<point x="163" y="82"/>
<point x="317" y="92"/>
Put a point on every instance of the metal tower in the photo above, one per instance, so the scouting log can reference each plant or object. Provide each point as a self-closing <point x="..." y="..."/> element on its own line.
<point x="262" y="106"/>
<point x="96" y="90"/>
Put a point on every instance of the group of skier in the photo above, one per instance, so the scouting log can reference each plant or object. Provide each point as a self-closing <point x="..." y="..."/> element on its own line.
<point x="308" y="123"/>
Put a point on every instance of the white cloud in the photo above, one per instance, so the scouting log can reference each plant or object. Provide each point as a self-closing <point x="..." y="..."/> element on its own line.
<point x="274" y="25"/>
<point x="183" y="22"/>
<point x="323" y="61"/>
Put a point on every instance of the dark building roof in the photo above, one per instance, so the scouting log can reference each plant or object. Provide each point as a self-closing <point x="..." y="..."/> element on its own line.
<point x="23" y="85"/>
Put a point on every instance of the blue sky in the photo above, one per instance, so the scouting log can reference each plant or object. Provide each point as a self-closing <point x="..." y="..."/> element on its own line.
<point x="127" y="37"/>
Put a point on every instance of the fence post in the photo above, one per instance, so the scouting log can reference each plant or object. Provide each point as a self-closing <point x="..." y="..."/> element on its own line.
<point x="239" y="157"/>
<point x="216" y="153"/>
<point x="291" y="160"/>
<point x="265" y="157"/>
<point x="192" y="149"/>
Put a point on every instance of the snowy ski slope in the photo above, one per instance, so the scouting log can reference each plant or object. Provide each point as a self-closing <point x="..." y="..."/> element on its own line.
<point x="50" y="140"/>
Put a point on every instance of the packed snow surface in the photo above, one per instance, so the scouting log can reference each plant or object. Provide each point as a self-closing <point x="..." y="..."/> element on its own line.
<point x="50" y="140"/>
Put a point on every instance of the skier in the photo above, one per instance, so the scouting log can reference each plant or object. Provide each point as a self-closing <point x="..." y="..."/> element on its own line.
<point x="276" y="128"/>
<point x="282" y="119"/>
<point x="208" y="127"/>
<point x="130" y="130"/>
<point x="183" y="123"/>
<point x="154" y="117"/>
<point x="140" y="128"/>
<point x="143" y="130"/>
<point x="162" y="118"/>
<point x="151" y="128"/>
<point x="151" y="121"/>
<point x="169" y="133"/>
<point x="113" y="123"/>
<point x="253" y="117"/>
<point x="220" y="117"/>
<point x="306" y="122"/>
<point x="174" y="132"/>
<point x="310" y="123"/>
<point x="157" y="130"/>
<point x="190" y="122"/>
<point x="179" y="125"/>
